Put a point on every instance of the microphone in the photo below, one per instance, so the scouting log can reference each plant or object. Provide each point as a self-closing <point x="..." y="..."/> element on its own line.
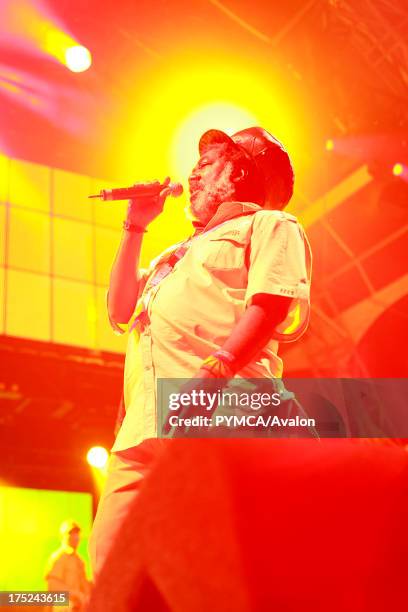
<point x="138" y="190"/>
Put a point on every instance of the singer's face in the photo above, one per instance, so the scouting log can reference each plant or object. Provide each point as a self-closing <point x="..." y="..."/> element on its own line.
<point x="210" y="183"/>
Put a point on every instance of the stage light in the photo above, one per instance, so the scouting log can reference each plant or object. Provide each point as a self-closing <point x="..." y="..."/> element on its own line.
<point x="78" y="58"/>
<point x="329" y="145"/>
<point x="97" y="457"/>
<point x="34" y="28"/>
<point x="398" y="169"/>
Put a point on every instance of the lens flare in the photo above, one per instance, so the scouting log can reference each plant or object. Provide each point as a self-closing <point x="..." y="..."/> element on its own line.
<point x="398" y="169"/>
<point x="97" y="457"/>
<point x="78" y="58"/>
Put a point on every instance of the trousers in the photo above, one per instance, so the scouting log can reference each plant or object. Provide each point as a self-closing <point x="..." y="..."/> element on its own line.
<point x="126" y="472"/>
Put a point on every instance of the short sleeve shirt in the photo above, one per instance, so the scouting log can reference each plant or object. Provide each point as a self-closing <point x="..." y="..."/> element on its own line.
<point x="193" y="310"/>
<point x="70" y="569"/>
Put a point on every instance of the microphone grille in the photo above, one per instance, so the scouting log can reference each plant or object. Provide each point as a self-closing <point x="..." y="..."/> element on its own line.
<point x="176" y="189"/>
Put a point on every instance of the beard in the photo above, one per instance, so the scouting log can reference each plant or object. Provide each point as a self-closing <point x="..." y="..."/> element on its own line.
<point x="205" y="201"/>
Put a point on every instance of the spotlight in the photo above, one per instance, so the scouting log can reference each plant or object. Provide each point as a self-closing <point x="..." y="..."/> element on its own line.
<point x="78" y="58"/>
<point x="97" y="457"/>
<point x="329" y="145"/>
<point x="398" y="169"/>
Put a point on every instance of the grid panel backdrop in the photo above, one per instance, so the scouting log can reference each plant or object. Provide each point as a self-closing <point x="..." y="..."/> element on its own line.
<point x="56" y="250"/>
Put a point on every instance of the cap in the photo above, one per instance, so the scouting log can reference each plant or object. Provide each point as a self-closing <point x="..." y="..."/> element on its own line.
<point x="269" y="156"/>
<point x="68" y="526"/>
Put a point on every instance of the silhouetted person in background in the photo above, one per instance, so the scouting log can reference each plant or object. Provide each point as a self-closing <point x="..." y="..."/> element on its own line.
<point x="66" y="570"/>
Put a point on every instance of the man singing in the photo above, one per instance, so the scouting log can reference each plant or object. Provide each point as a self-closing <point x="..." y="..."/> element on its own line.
<point x="216" y="305"/>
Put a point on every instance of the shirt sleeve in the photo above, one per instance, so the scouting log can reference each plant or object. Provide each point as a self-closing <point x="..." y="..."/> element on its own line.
<point x="280" y="263"/>
<point x="277" y="260"/>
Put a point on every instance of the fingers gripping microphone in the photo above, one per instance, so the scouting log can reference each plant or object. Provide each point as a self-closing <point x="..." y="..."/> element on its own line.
<point x="139" y="190"/>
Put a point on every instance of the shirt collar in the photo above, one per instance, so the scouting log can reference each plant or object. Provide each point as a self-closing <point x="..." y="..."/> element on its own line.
<point x="66" y="548"/>
<point x="225" y="212"/>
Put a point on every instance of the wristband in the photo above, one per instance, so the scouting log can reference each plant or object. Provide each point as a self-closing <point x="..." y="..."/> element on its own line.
<point x="132" y="227"/>
<point x="226" y="357"/>
<point x="217" y="367"/>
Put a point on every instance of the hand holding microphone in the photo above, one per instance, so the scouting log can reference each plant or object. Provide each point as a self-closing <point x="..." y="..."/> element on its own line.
<point x="146" y="200"/>
<point x="149" y="203"/>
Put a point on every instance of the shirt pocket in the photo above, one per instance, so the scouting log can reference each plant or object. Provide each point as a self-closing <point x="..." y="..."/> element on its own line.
<point x="226" y="252"/>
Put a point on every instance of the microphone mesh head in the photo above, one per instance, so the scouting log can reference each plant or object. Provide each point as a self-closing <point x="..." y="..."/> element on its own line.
<point x="176" y="189"/>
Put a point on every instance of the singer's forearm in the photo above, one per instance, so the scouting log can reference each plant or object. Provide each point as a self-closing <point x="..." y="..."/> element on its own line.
<point x="256" y="326"/>
<point x="124" y="279"/>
